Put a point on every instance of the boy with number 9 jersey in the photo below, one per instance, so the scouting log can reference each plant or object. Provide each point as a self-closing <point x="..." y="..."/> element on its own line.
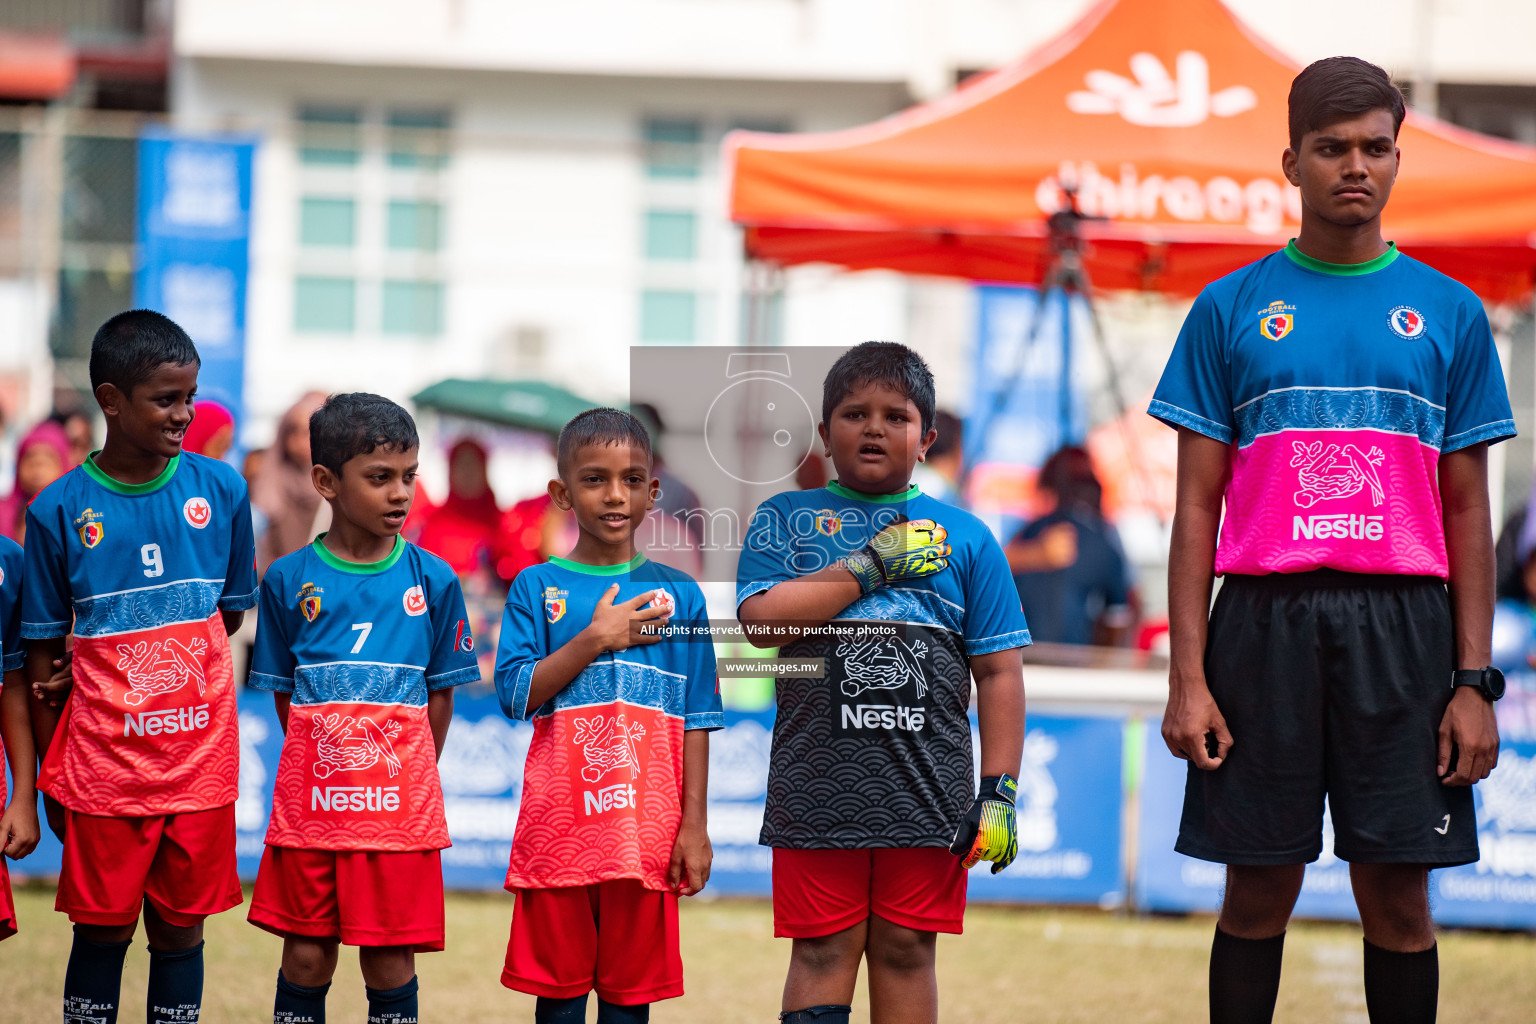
<point x="362" y="638"/>
<point x="145" y="554"/>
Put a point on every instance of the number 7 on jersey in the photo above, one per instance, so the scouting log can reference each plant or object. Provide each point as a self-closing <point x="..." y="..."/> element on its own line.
<point x="366" y="627"/>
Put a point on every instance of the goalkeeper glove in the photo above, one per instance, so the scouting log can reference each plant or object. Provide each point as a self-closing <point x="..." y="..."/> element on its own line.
<point x="906" y="549"/>
<point x="990" y="830"/>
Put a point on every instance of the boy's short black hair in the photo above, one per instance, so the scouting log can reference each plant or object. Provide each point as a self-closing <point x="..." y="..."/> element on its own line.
<point x="880" y="362"/>
<point x="603" y="426"/>
<point x="950" y="430"/>
<point x="354" y="424"/>
<point x="1335" y="89"/>
<point x="131" y="346"/>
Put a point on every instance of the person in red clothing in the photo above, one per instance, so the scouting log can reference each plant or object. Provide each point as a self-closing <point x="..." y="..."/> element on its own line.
<point x="462" y="529"/>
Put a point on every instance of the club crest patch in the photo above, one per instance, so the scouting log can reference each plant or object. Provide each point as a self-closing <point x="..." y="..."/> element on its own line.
<point x="90" y="527"/>
<point x="415" y="601"/>
<point x="1277" y="320"/>
<point x="828" y="522"/>
<point x="197" y="512"/>
<point x="1406" y="322"/>
<point x="309" y="600"/>
<point x="554" y="604"/>
<point x="463" y="639"/>
<point x="663" y="599"/>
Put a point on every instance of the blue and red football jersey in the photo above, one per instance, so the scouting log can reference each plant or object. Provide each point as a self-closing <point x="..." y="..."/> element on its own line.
<point x="12" y="654"/>
<point x="359" y="646"/>
<point x="142" y="571"/>
<point x="603" y="786"/>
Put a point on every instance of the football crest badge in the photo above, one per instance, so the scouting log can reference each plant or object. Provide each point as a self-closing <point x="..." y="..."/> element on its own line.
<point x="554" y="604"/>
<point x="828" y="522"/>
<point x="309" y="600"/>
<point x="1277" y="320"/>
<point x="90" y="527"/>
<point x="463" y="639"/>
<point x="1406" y="322"/>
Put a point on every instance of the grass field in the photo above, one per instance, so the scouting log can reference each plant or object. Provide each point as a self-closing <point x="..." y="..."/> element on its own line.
<point x="1035" y="965"/>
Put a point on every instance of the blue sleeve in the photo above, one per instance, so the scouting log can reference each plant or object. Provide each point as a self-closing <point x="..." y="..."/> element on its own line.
<point x="701" y="708"/>
<point x="272" y="660"/>
<point x="12" y="654"/>
<point x="520" y="647"/>
<point x="1476" y="402"/>
<point x="46" y="610"/>
<point x="766" y="554"/>
<point x="1196" y="389"/>
<point x="240" y="576"/>
<point x="993" y="620"/>
<point x="452" y="662"/>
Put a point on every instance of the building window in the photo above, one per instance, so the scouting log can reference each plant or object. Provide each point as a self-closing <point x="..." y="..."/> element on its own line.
<point x="414" y="224"/>
<point x="418" y="138"/>
<point x="330" y="135"/>
<point x="327" y="221"/>
<point x="413" y="307"/>
<point x="671" y="235"/>
<point x="668" y="316"/>
<point x="673" y="149"/>
<point x="324" y="304"/>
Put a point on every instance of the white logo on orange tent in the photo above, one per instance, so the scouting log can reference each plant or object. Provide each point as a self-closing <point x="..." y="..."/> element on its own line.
<point x="1153" y="99"/>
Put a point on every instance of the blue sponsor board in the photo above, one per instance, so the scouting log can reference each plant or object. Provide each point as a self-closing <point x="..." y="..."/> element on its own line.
<point x="194" y="222"/>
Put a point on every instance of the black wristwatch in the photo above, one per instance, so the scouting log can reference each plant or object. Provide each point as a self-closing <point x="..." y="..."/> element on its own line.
<point x="1489" y="681"/>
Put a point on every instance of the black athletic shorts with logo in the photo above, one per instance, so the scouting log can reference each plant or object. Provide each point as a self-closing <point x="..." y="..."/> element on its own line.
<point x="1331" y="683"/>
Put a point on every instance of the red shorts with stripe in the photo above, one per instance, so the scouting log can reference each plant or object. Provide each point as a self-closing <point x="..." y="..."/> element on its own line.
<point x="184" y="864"/>
<point x="7" y="906"/>
<point x="618" y="938"/>
<point x="359" y="897"/>
<point x="821" y="892"/>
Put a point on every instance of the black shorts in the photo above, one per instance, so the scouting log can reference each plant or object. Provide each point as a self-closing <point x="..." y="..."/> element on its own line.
<point x="1332" y="684"/>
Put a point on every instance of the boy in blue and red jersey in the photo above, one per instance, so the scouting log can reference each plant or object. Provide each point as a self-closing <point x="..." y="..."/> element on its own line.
<point x="19" y="830"/>
<point x="362" y="638"/>
<point x="612" y="824"/>
<point x="145" y="554"/>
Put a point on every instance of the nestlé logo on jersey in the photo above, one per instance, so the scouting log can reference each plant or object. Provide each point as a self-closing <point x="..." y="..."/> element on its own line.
<point x="309" y="600"/>
<point x="415" y="601"/>
<point x="90" y="527"/>
<point x="166" y="723"/>
<point x="1406" y="322"/>
<point x="554" y="604"/>
<point x="1277" y="320"/>
<point x="197" y="512"/>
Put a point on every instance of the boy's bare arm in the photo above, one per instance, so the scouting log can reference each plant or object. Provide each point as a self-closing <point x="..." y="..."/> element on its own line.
<point x="48" y="708"/>
<point x="19" y="831"/>
<point x="282" y="702"/>
<point x="775" y="617"/>
<point x="613" y="628"/>
<point x="440" y="717"/>
<point x="1469" y="722"/>
<point x="232" y="621"/>
<point x="691" y="853"/>
<point x="1000" y="710"/>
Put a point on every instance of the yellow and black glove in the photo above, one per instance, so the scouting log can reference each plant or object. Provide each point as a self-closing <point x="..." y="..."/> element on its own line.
<point x="907" y="549"/>
<point x="990" y="830"/>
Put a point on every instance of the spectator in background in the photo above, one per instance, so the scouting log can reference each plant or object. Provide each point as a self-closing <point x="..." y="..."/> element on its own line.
<point x="1514" y="625"/>
<point x="676" y="498"/>
<point x="80" y="431"/>
<point x="938" y="474"/>
<point x="41" y="458"/>
<point x="462" y="529"/>
<point x="283" y="491"/>
<point x="211" y="432"/>
<point x="1070" y="570"/>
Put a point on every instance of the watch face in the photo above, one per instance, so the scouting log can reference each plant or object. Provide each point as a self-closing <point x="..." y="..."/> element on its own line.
<point x="1493" y="683"/>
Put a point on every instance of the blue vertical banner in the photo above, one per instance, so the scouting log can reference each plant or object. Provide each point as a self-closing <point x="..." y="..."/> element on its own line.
<point x="194" y="227"/>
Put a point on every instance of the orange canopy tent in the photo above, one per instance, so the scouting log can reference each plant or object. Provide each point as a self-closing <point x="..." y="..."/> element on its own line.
<point x="1169" y="117"/>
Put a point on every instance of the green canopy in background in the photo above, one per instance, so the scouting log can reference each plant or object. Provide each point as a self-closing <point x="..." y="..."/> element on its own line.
<point x="524" y="404"/>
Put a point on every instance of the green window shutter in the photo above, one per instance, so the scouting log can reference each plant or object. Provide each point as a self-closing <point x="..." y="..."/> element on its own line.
<point x="673" y="148"/>
<point x="415" y="225"/>
<point x="668" y="317"/>
<point x="327" y="221"/>
<point x="413" y="308"/>
<point x="671" y="235"/>
<point x="325" y="304"/>
<point x="330" y="135"/>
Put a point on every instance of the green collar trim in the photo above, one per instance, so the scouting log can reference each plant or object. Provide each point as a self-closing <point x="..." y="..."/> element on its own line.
<point x="876" y="499"/>
<point x="327" y="556"/>
<point x="1306" y="262"/>
<point x="95" y="473"/>
<point x="599" y="570"/>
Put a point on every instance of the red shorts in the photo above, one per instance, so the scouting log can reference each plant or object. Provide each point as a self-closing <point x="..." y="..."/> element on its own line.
<point x="821" y="892"/>
<point x="7" y="907"/>
<point x="558" y="950"/>
<point x="359" y="897"/>
<point x="182" y="863"/>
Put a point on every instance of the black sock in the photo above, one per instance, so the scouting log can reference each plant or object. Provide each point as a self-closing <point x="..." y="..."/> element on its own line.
<point x="175" y="994"/>
<point x="560" y="1011"/>
<point x="1402" y="988"/>
<point x="93" y="980"/>
<point x="615" y="1013"/>
<point x="392" y="1005"/>
<point x="826" y="1013"/>
<point x="298" y="1004"/>
<point x="1245" y="978"/>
